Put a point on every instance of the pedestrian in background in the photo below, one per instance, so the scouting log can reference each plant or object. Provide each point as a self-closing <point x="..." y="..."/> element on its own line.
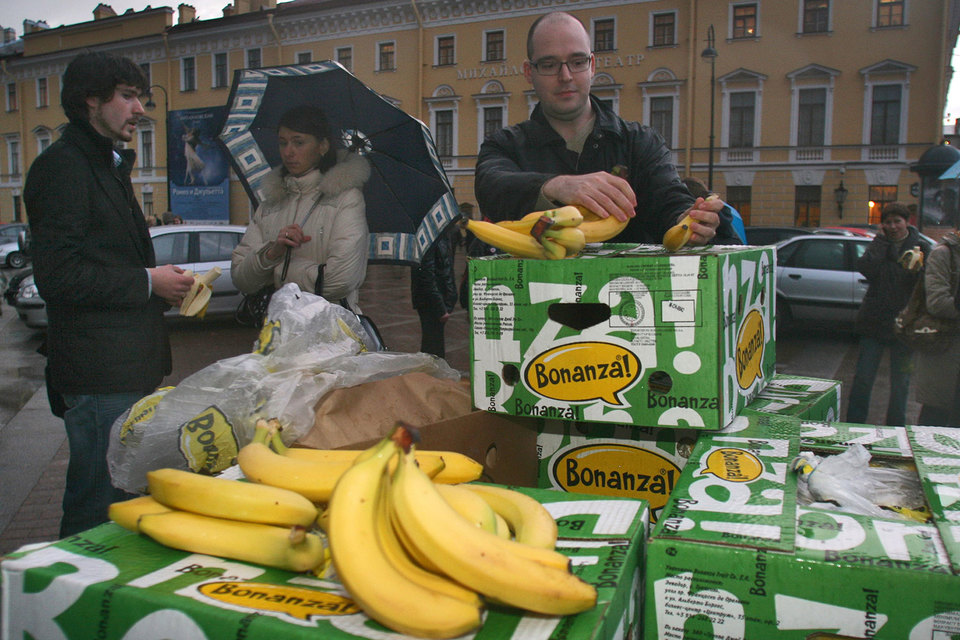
<point x="94" y="265"/>
<point x="433" y="292"/>
<point x="889" y="289"/>
<point x="698" y="189"/>
<point x="938" y="372"/>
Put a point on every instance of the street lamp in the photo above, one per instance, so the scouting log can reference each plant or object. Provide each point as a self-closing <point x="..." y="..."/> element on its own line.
<point x="840" y="194"/>
<point x="150" y="105"/>
<point x="711" y="53"/>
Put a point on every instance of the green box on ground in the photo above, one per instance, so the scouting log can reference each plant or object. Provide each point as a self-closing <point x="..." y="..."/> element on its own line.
<point x="734" y="556"/>
<point x="798" y="397"/>
<point x="110" y="583"/>
<point x="624" y="334"/>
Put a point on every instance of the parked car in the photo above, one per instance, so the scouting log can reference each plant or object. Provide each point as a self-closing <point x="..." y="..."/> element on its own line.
<point x="13" y="285"/>
<point x="11" y="256"/>
<point x="198" y="248"/>
<point x="817" y="279"/>
<point x="773" y="235"/>
<point x="10" y="231"/>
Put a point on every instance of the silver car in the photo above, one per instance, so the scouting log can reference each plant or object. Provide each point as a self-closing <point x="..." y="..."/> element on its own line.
<point x="818" y="281"/>
<point x="198" y="248"/>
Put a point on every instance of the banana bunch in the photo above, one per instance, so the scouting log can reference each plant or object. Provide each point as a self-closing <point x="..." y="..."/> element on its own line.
<point x="313" y="473"/>
<point x="227" y="518"/>
<point x="198" y="297"/>
<point x="422" y="558"/>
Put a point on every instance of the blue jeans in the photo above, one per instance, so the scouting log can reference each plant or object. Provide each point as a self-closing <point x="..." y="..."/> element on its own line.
<point x="871" y="351"/>
<point x="89" y="493"/>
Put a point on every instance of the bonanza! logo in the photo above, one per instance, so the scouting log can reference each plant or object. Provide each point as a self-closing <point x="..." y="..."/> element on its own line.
<point x="141" y="413"/>
<point x="295" y="602"/>
<point x="733" y="465"/>
<point x="207" y="441"/>
<point x="583" y="371"/>
<point x="750" y="346"/>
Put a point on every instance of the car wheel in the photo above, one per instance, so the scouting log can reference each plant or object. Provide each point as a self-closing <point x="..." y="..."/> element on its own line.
<point x="16" y="260"/>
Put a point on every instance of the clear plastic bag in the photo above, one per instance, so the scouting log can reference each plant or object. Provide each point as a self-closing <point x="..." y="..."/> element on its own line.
<point x="307" y="348"/>
<point x="847" y="481"/>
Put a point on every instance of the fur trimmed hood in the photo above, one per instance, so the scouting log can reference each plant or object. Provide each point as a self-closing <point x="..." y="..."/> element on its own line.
<point x="351" y="171"/>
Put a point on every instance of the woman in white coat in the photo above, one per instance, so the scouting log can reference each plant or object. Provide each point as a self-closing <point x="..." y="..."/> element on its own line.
<point x="313" y="207"/>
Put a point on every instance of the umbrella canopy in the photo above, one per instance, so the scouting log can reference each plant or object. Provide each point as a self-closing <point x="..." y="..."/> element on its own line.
<point x="408" y="198"/>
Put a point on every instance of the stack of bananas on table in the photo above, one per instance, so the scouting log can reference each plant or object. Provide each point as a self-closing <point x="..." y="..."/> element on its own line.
<point x="418" y="548"/>
<point x="549" y="235"/>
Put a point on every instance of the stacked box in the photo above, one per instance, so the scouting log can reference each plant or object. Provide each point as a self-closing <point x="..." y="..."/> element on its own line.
<point x="734" y="556"/>
<point x="624" y="334"/>
<point x="798" y="397"/>
<point x="110" y="583"/>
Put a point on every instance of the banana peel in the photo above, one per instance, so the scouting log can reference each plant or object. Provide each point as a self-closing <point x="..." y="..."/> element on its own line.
<point x="196" y="301"/>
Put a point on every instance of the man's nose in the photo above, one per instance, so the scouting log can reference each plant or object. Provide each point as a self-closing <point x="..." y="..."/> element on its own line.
<point x="564" y="71"/>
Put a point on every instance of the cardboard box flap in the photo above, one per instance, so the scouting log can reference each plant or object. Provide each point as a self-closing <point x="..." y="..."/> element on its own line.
<point x="838" y="436"/>
<point x="937" y="456"/>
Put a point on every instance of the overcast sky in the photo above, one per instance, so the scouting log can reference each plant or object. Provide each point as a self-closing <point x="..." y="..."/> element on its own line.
<point x="59" y="12"/>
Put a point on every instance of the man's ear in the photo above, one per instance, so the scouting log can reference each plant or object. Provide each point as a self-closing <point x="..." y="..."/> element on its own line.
<point x="93" y="102"/>
<point x="528" y="71"/>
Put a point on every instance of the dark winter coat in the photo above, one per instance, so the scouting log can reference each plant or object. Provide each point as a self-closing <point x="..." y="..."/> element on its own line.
<point x="514" y="163"/>
<point x="91" y="252"/>
<point x="433" y="287"/>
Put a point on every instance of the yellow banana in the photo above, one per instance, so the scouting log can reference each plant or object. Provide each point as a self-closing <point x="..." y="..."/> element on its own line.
<point x="452" y="467"/>
<point x="568" y="216"/>
<point x="313" y="480"/>
<point x="197" y="299"/>
<point x="597" y="229"/>
<point x="279" y="547"/>
<point x="231" y="499"/>
<point x="477" y="558"/>
<point x="531" y="523"/>
<point x="503" y="528"/>
<point x="127" y="512"/>
<point x="384" y="593"/>
<point x="469" y="505"/>
<point x="520" y="245"/>
<point x="572" y="239"/>
<point x="678" y="235"/>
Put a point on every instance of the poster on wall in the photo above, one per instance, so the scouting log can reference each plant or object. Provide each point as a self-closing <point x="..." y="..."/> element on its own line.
<point x="198" y="170"/>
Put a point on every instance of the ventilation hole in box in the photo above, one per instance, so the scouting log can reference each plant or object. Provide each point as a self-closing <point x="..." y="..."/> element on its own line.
<point x="660" y="382"/>
<point x="510" y="374"/>
<point x="579" y="315"/>
<point x="490" y="457"/>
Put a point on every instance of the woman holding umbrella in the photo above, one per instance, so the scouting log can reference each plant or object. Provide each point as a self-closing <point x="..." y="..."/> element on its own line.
<point x="311" y="227"/>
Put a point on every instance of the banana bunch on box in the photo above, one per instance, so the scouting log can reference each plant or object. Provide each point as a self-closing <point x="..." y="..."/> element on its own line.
<point x="547" y="235"/>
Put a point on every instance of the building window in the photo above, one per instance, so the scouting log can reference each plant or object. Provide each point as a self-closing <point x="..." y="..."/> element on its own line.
<point x="13" y="155"/>
<point x="444" y="132"/>
<point x="305" y="57"/>
<point x="890" y="13"/>
<point x="885" y="114"/>
<point x="188" y="74"/>
<point x="254" y="59"/>
<point x="492" y="120"/>
<point x="806" y="212"/>
<point x="739" y="198"/>
<point x="43" y="96"/>
<point x="742" y="112"/>
<point x="345" y="57"/>
<point x="816" y="16"/>
<point x="445" y="51"/>
<point x="145" y="67"/>
<point x="744" y="21"/>
<point x="664" y="29"/>
<point x="145" y="156"/>
<point x="43" y="140"/>
<point x="493" y="46"/>
<point x="386" y="52"/>
<point x="12" y="96"/>
<point x="879" y="196"/>
<point x="604" y="35"/>
<point x="661" y="117"/>
<point x="811" y="117"/>
<point x="219" y="70"/>
<point x="147" y="203"/>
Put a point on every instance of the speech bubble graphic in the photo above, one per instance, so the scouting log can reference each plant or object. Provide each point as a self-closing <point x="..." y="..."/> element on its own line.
<point x="733" y="465"/>
<point x="583" y="371"/>
<point x="750" y="345"/>
<point x="296" y="602"/>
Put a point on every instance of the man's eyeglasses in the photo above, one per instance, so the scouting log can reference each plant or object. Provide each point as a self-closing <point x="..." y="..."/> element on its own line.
<point x="551" y="67"/>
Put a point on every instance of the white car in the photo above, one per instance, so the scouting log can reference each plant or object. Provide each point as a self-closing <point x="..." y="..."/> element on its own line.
<point x="198" y="248"/>
<point x="11" y="256"/>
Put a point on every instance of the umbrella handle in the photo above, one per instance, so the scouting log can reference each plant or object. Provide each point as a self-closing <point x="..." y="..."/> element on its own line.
<point x="286" y="264"/>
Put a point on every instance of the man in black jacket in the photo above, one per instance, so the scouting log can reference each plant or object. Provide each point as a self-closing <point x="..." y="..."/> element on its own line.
<point x="564" y="153"/>
<point x="95" y="268"/>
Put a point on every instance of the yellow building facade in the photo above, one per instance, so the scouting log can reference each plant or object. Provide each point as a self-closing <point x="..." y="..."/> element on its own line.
<point x="811" y="99"/>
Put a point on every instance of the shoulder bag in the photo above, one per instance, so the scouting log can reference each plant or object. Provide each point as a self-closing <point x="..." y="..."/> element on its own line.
<point x="917" y="327"/>
<point x="253" y="308"/>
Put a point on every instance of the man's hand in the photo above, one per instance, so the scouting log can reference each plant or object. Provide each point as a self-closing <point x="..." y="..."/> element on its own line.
<point x="170" y="283"/>
<point x="706" y="220"/>
<point x="603" y="193"/>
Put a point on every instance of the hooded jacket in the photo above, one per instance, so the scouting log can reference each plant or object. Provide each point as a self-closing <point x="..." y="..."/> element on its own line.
<point x="938" y="372"/>
<point x="330" y="209"/>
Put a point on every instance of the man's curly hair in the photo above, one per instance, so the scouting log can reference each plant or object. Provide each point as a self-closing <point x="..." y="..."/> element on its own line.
<point x="96" y="74"/>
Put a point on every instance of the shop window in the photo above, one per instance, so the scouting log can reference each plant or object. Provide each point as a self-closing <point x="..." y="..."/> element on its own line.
<point x="878" y="196"/>
<point x="806" y="211"/>
<point x="739" y="198"/>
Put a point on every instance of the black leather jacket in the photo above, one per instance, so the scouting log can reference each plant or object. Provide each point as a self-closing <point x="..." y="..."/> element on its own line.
<point x="515" y="162"/>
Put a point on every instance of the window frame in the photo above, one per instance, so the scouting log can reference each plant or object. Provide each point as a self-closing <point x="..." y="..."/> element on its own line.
<point x="904" y="13"/>
<point x="14" y="156"/>
<point x="381" y="52"/>
<point x="15" y="106"/>
<point x="339" y="56"/>
<point x="43" y="92"/>
<point x="817" y="211"/>
<point x="594" y="22"/>
<point x="216" y="82"/>
<point x="804" y="11"/>
<point x="299" y="55"/>
<point x="248" y="55"/>
<point x="733" y="19"/>
<point x="439" y="49"/>
<point x="485" y="54"/>
<point x="654" y="28"/>
<point x="188" y="74"/>
<point x="146" y="127"/>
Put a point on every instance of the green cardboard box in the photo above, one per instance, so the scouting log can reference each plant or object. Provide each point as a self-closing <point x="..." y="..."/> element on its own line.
<point x="110" y="583"/>
<point x="624" y="334"/>
<point x="799" y="397"/>
<point x="735" y="557"/>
